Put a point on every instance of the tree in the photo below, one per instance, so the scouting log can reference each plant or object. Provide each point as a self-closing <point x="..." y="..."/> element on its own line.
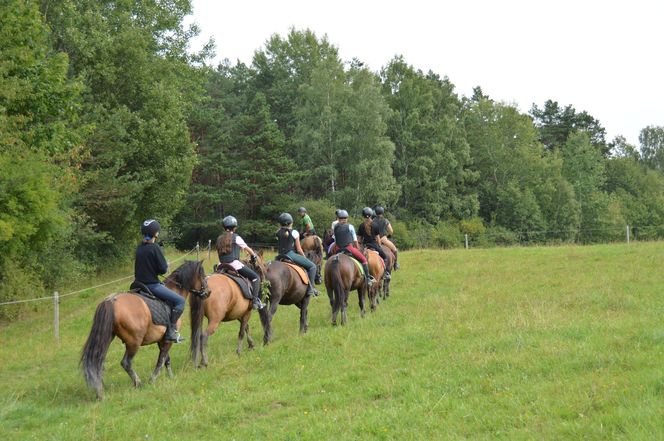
<point x="39" y="151"/>
<point x="651" y="139"/>
<point x="556" y="124"/>
<point x="139" y="88"/>
<point x="509" y="159"/>
<point x="432" y="154"/>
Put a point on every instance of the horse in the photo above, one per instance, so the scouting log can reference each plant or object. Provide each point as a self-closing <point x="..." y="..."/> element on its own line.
<point x="342" y="275"/>
<point x="313" y="250"/>
<point x="225" y="303"/>
<point x="377" y="269"/>
<point x="286" y="288"/>
<point x="327" y="238"/>
<point x="127" y="316"/>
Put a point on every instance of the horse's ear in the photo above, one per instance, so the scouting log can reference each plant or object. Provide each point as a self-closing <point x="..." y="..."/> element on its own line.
<point x="260" y="253"/>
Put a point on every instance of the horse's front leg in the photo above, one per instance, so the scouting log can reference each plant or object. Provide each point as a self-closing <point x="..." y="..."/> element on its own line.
<point x="244" y="324"/>
<point x="130" y="351"/>
<point x="164" y="347"/>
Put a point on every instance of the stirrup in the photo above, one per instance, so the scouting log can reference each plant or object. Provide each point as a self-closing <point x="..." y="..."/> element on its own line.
<point x="176" y="338"/>
<point x="257" y="304"/>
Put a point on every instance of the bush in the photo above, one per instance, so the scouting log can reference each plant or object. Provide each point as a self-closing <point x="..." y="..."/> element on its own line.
<point x="495" y="236"/>
<point x="446" y="235"/>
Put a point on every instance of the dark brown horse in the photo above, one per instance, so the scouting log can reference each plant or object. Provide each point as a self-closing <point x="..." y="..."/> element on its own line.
<point x="286" y="288"/>
<point x="313" y="250"/>
<point x="225" y="303"/>
<point x="127" y="316"/>
<point x="342" y="275"/>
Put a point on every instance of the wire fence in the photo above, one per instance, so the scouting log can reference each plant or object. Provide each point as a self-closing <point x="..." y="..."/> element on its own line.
<point x="13" y="302"/>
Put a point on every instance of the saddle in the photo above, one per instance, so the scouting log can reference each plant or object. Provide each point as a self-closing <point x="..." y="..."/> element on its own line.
<point x="230" y="272"/>
<point x="159" y="310"/>
<point x="352" y="258"/>
<point x="297" y="268"/>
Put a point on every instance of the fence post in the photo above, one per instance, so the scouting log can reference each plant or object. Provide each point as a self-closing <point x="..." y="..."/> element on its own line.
<point x="56" y="316"/>
<point x="627" y="233"/>
<point x="209" y="247"/>
<point x="197" y="248"/>
<point x="466" y="240"/>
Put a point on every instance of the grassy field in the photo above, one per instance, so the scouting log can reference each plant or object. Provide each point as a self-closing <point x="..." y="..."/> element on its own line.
<point x="519" y="343"/>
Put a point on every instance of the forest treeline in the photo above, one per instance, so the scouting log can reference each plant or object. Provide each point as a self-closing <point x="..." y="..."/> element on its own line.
<point x="106" y="118"/>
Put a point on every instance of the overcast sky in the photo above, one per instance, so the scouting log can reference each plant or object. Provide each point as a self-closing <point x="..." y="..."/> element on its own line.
<point x="604" y="57"/>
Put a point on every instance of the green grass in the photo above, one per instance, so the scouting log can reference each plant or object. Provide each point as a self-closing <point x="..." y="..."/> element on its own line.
<point x="518" y="343"/>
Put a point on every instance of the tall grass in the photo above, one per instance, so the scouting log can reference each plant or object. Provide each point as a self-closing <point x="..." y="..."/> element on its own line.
<point x="520" y="343"/>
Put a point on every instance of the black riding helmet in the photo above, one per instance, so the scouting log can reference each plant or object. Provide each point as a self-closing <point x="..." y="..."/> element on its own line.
<point x="367" y="212"/>
<point x="301" y="210"/>
<point x="150" y="228"/>
<point x="380" y="210"/>
<point x="285" y="219"/>
<point x="342" y="214"/>
<point x="229" y="222"/>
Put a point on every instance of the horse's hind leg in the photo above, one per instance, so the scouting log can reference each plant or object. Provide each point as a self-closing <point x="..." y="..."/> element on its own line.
<point x="304" y="308"/>
<point x="244" y="328"/>
<point x="130" y="352"/>
<point x="164" y="347"/>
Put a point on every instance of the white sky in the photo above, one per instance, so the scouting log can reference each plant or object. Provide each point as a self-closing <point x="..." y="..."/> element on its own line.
<point x="604" y="57"/>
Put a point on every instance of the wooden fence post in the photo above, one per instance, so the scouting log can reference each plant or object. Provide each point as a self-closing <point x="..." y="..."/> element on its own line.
<point x="466" y="240"/>
<point x="627" y="233"/>
<point x="56" y="316"/>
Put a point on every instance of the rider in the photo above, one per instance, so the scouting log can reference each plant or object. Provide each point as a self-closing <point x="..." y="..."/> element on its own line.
<point x="148" y="265"/>
<point x="328" y="250"/>
<point x="306" y="225"/>
<point x="288" y="244"/>
<point x="345" y="238"/>
<point x="368" y="232"/>
<point x="385" y="229"/>
<point x="228" y="246"/>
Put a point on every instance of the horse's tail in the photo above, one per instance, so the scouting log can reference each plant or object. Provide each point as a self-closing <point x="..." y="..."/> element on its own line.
<point x="337" y="281"/>
<point x="196" y="315"/>
<point x="97" y="344"/>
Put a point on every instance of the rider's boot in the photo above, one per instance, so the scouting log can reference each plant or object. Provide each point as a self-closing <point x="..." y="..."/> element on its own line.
<point x="367" y="275"/>
<point x="312" y="291"/>
<point x="172" y="333"/>
<point x="256" y="302"/>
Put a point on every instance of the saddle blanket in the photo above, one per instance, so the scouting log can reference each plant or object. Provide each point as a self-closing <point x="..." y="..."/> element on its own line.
<point x="300" y="272"/>
<point x="243" y="283"/>
<point x="159" y="310"/>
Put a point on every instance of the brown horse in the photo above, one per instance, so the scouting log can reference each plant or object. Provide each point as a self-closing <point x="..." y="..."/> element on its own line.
<point x="312" y="246"/>
<point x="342" y="276"/>
<point x="286" y="288"/>
<point x="377" y="269"/>
<point x="225" y="303"/>
<point x="127" y="316"/>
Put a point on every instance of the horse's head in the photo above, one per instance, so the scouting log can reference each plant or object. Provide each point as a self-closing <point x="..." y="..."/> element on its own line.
<point x="257" y="265"/>
<point x="327" y="238"/>
<point x="190" y="278"/>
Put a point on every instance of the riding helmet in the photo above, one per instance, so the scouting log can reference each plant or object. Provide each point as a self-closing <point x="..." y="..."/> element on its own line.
<point x="229" y="222"/>
<point x="150" y="228"/>
<point x="380" y="210"/>
<point x="285" y="219"/>
<point x="367" y="212"/>
<point x="343" y="214"/>
<point x="301" y="210"/>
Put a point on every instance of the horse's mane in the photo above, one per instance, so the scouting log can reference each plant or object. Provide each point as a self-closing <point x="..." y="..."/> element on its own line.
<point x="185" y="274"/>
